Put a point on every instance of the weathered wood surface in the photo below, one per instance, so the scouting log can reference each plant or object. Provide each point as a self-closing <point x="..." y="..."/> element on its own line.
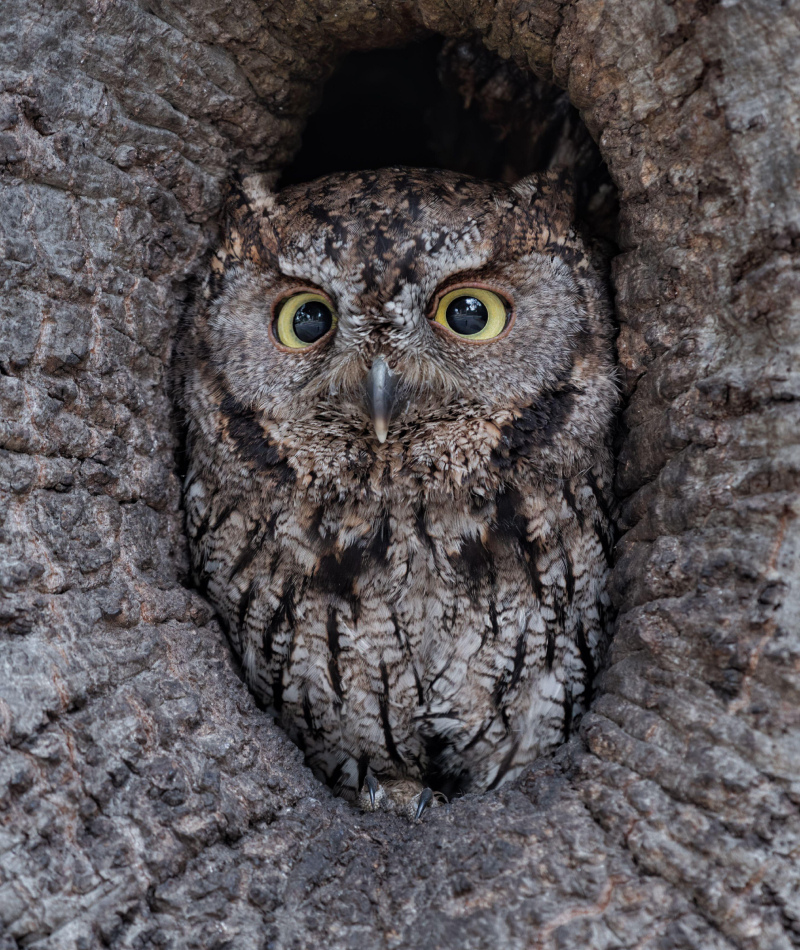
<point x="144" y="800"/>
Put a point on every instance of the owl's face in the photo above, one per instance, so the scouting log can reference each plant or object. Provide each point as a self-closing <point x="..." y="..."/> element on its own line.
<point x="412" y="316"/>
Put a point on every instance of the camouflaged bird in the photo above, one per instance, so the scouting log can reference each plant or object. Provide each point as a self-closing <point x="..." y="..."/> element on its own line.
<point x="398" y="387"/>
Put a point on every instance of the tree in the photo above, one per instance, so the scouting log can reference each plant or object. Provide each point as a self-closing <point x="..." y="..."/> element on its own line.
<point x="145" y="800"/>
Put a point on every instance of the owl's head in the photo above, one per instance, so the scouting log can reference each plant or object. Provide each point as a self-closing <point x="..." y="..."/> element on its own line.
<point x="412" y="320"/>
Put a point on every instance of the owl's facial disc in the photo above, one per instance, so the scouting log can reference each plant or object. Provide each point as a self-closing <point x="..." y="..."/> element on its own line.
<point x="305" y="319"/>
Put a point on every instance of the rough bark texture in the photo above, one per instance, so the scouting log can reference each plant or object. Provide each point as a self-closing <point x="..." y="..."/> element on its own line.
<point x="145" y="801"/>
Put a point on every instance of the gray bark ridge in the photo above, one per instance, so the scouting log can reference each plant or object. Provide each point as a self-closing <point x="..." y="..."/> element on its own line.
<point x="144" y="799"/>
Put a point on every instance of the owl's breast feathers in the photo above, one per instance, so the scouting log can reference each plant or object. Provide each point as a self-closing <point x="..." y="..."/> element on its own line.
<point x="448" y="636"/>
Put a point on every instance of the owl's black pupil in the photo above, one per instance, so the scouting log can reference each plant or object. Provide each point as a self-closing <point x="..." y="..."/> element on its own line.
<point x="312" y="321"/>
<point x="467" y="315"/>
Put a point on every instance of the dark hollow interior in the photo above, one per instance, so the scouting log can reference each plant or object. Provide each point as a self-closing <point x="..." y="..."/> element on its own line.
<point x="453" y="104"/>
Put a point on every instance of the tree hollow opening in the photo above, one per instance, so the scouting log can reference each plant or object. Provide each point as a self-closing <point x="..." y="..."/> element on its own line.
<point x="441" y="104"/>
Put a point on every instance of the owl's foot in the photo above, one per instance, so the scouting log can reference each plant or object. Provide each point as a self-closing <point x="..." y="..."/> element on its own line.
<point x="404" y="797"/>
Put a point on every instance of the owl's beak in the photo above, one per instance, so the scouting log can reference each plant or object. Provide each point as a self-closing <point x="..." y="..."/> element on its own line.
<point x="381" y="385"/>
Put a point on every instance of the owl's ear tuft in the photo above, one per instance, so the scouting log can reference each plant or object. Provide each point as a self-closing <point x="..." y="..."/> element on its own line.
<point x="553" y="192"/>
<point x="248" y="207"/>
<point x="259" y="193"/>
<point x="250" y="193"/>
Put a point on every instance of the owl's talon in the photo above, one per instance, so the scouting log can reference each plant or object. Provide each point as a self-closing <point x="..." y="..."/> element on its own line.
<point x="425" y="798"/>
<point x="372" y="787"/>
<point x="372" y="796"/>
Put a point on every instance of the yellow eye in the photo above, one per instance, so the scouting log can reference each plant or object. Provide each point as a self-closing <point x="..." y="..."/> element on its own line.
<point x="472" y="312"/>
<point x="303" y="319"/>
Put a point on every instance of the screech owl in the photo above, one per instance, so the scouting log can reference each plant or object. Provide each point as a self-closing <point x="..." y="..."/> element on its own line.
<point x="398" y="388"/>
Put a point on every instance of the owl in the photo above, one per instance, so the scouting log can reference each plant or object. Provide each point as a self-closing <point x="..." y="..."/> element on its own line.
<point x="398" y="388"/>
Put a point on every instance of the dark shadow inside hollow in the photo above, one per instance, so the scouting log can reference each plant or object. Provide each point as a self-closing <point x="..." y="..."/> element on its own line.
<point x="453" y="104"/>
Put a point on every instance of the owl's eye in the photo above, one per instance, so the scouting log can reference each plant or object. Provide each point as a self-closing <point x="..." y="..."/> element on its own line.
<point x="303" y="319"/>
<point x="473" y="312"/>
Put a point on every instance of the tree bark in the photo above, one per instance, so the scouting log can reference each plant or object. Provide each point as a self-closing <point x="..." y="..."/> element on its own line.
<point x="145" y="800"/>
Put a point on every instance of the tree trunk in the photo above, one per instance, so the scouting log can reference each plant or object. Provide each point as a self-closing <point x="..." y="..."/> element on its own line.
<point x="145" y="800"/>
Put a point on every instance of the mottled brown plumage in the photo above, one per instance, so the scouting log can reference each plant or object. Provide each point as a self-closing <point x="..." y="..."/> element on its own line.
<point x="428" y="610"/>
